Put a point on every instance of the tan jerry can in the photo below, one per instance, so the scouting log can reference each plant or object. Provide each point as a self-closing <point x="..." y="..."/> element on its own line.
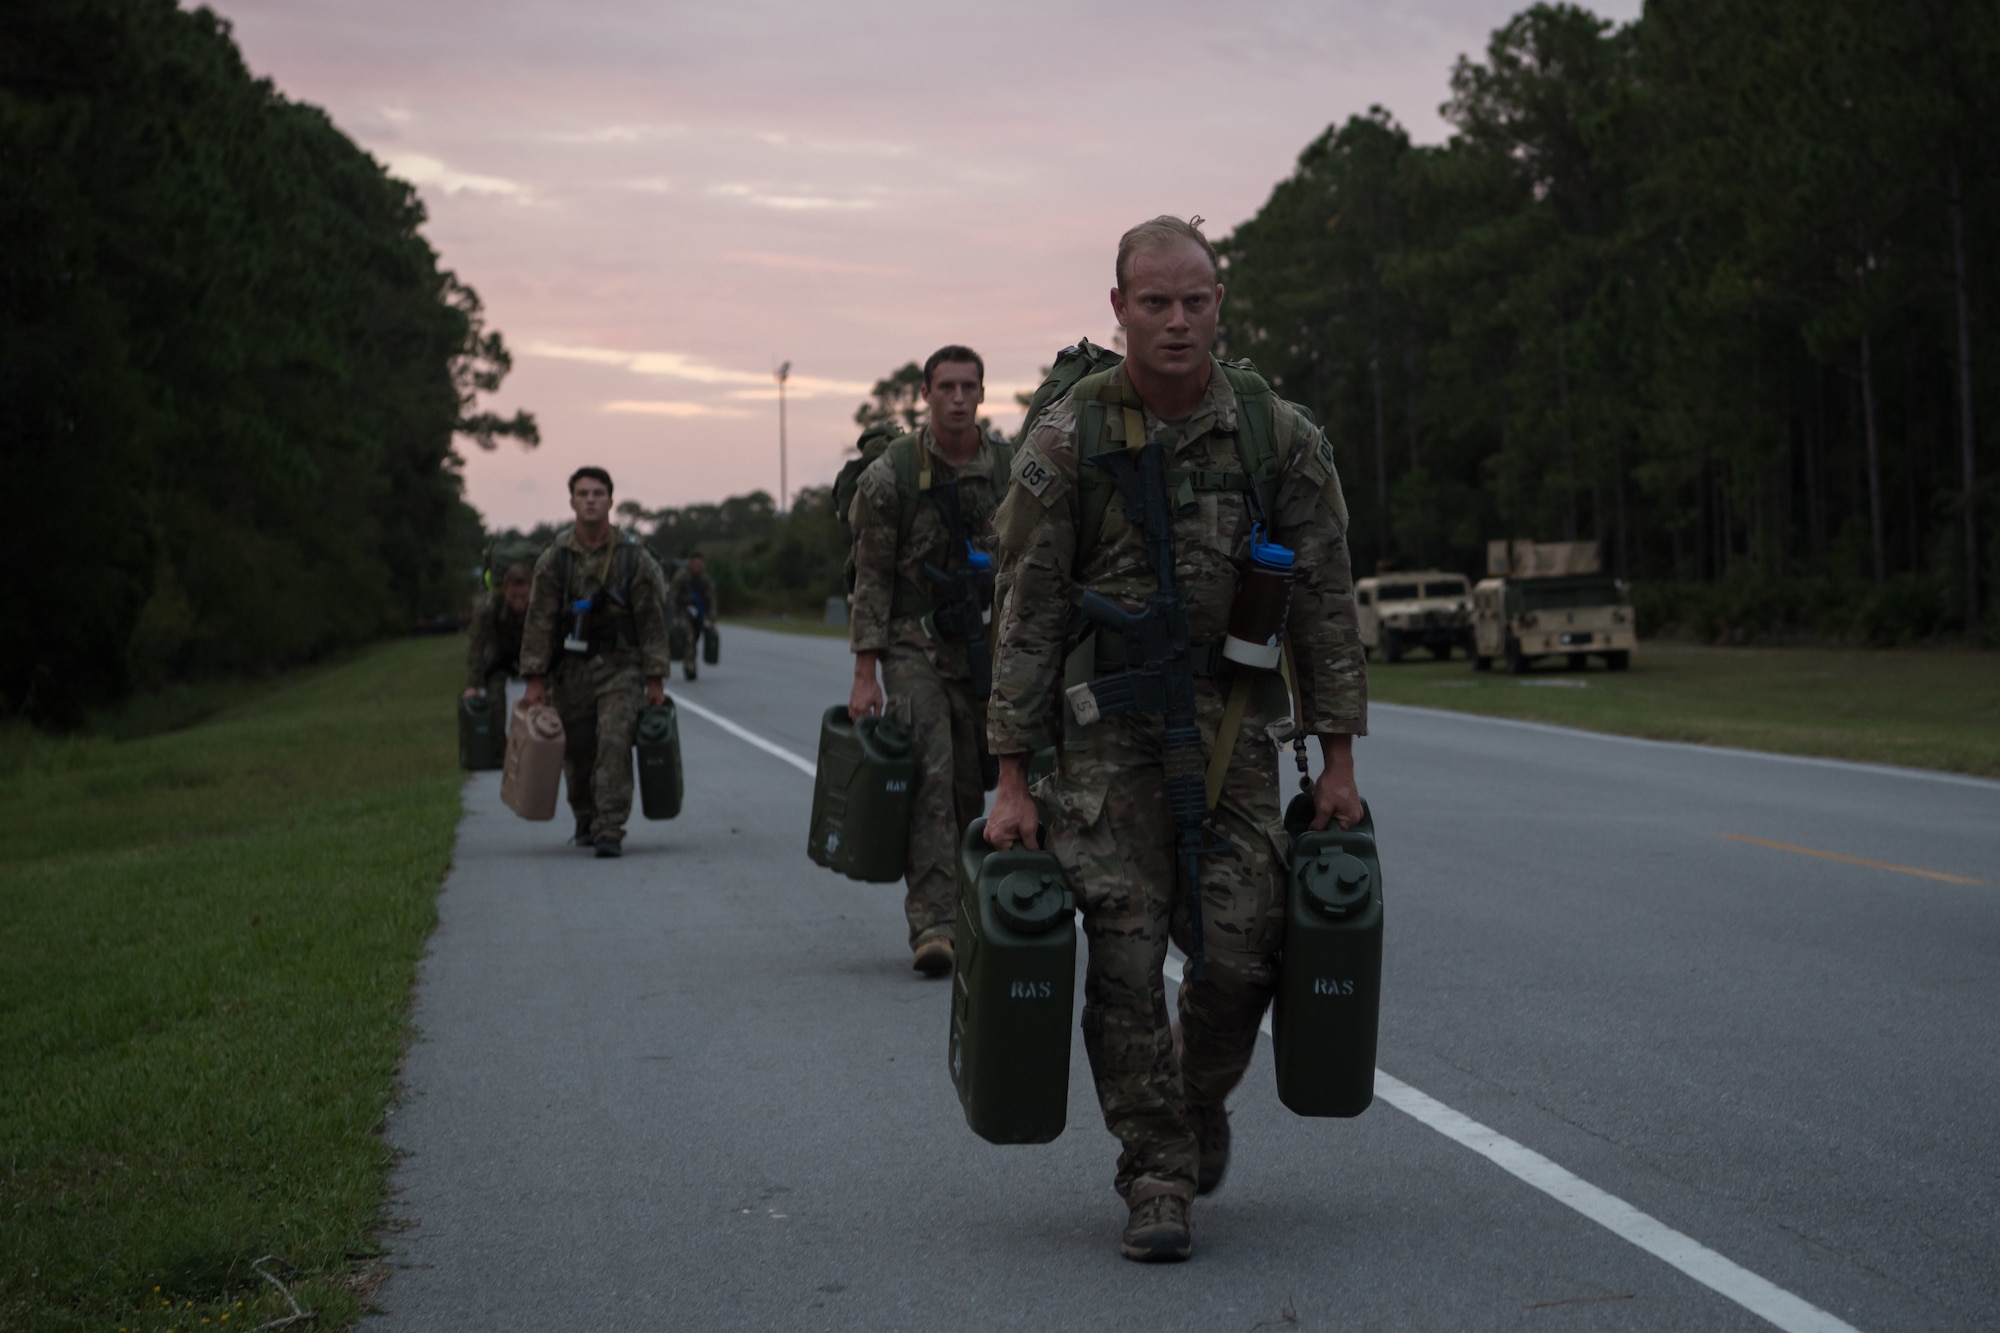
<point x="531" y="779"/>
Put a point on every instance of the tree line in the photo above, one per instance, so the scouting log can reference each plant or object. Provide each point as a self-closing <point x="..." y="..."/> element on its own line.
<point x="231" y="369"/>
<point x="1711" y="288"/>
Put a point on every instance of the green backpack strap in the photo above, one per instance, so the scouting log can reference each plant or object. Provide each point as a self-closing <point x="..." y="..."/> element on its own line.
<point x="1256" y="433"/>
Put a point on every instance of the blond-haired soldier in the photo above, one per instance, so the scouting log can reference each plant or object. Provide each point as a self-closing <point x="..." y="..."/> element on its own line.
<point x="1109" y="819"/>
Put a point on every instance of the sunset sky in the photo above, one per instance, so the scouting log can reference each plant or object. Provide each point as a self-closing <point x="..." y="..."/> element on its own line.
<point x="659" y="202"/>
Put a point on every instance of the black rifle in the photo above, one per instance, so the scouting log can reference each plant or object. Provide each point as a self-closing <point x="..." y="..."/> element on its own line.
<point x="964" y="595"/>
<point x="1165" y="682"/>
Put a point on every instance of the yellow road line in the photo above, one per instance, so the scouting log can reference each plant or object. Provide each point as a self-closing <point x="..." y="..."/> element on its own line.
<point x="1851" y="860"/>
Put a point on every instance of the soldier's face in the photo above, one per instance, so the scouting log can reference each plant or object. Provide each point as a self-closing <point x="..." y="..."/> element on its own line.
<point x="517" y="597"/>
<point x="1168" y="309"/>
<point x="696" y="564"/>
<point x="590" y="500"/>
<point x="954" y="396"/>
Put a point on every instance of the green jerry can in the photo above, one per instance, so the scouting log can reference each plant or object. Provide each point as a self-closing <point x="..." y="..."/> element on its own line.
<point x="861" y="796"/>
<point x="1013" y="991"/>
<point x="1329" y="1001"/>
<point x="658" y="741"/>
<point x="482" y="736"/>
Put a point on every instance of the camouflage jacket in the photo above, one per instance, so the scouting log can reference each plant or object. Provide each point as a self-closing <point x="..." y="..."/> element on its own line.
<point x="549" y="607"/>
<point x="682" y="591"/>
<point x="495" y="639"/>
<point x="1037" y="529"/>
<point x="891" y="594"/>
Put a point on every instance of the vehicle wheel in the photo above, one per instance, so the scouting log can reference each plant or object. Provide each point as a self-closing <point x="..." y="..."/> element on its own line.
<point x="1481" y="663"/>
<point x="1517" y="665"/>
<point x="1577" y="661"/>
<point x="1618" y="661"/>
<point x="1392" y="646"/>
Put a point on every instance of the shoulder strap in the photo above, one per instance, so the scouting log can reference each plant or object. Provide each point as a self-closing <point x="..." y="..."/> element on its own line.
<point x="913" y="477"/>
<point x="1093" y="484"/>
<point x="1255" y="432"/>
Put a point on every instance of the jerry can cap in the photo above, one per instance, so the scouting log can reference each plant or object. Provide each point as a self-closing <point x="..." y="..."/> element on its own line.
<point x="1336" y="882"/>
<point x="1030" y="901"/>
<point x="655" y="723"/>
<point x="887" y="733"/>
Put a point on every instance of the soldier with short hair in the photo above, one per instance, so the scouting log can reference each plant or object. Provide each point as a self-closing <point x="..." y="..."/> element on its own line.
<point x="921" y="510"/>
<point x="596" y="638"/>
<point x="691" y="594"/>
<point x="493" y="652"/>
<point x="1109" y="818"/>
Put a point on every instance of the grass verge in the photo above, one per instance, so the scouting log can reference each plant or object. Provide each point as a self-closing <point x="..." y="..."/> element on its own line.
<point x="1918" y="708"/>
<point x="207" y="943"/>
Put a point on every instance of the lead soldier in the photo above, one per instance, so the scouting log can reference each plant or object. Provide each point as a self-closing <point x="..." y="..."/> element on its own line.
<point x="1109" y="820"/>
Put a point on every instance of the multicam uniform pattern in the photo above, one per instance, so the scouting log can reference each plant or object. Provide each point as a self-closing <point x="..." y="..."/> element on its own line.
<point x="1107" y="802"/>
<point x="925" y="679"/>
<point x="599" y="693"/>
<point x="681" y="596"/>
<point x="493" y="652"/>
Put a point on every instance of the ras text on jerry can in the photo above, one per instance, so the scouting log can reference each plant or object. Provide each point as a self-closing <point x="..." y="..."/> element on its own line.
<point x="861" y="796"/>
<point x="1329" y="1000"/>
<point x="1013" y="991"/>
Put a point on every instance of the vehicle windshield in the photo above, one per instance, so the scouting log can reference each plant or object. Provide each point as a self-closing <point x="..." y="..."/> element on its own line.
<point x="1566" y="595"/>
<point x="1397" y="592"/>
<point x="1455" y="588"/>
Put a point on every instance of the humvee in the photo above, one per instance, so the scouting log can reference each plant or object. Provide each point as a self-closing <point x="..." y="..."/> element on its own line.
<point x="1428" y="609"/>
<point x="1546" y="598"/>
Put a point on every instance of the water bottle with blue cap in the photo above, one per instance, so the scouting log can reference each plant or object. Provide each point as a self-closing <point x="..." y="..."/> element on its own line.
<point x="1263" y="595"/>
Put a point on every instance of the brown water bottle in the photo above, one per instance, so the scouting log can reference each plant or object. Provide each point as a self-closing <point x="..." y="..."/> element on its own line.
<point x="1263" y="595"/>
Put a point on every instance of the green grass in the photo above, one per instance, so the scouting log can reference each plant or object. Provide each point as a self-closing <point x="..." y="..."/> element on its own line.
<point x="209" y="938"/>
<point x="790" y="625"/>
<point x="1921" y="708"/>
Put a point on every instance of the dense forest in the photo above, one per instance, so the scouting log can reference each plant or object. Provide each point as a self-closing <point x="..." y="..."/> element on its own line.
<point x="231" y="370"/>
<point x="1713" y="289"/>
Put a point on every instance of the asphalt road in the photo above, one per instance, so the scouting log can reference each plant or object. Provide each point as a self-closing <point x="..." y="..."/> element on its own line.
<point x="700" y="1088"/>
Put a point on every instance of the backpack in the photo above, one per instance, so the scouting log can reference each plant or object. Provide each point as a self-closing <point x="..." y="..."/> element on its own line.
<point x="1072" y="364"/>
<point x="504" y="551"/>
<point x="1085" y="370"/>
<point x="913" y="470"/>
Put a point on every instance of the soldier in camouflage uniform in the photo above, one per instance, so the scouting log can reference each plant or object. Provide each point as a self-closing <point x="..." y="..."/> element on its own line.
<point x="494" y="650"/>
<point x="691" y="594"/>
<point x="1109" y="819"/>
<point x="897" y="531"/>
<point x="597" y="688"/>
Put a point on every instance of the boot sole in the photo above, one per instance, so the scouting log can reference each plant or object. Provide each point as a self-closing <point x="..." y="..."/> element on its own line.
<point x="1164" y="1250"/>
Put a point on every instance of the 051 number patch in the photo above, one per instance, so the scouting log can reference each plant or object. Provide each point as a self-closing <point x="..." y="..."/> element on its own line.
<point x="1034" y="474"/>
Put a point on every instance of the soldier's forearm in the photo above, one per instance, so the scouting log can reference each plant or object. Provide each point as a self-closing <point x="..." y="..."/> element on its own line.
<point x="865" y="661"/>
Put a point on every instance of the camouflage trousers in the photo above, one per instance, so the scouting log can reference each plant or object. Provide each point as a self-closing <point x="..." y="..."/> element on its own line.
<point x="949" y="791"/>
<point x="599" y="698"/>
<point x="1115" y="839"/>
<point x="685" y="632"/>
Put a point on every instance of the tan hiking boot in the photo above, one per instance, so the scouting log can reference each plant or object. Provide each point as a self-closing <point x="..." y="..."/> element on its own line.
<point x="933" y="958"/>
<point x="1160" y="1231"/>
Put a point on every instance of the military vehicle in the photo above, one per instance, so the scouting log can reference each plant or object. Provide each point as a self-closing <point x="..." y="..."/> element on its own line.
<point x="1541" y="599"/>
<point x="1428" y="609"/>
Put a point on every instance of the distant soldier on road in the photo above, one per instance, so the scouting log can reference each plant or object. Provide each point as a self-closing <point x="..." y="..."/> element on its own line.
<point x="1110" y="823"/>
<point x="919" y="512"/>
<point x="692" y="596"/>
<point x="597" y="636"/>
<point x="494" y="650"/>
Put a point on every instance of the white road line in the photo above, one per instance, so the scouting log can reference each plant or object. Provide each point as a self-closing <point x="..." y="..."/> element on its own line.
<point x="746" y="735"/>
<point x="1806" y="760"/>
<point x="1760" y="1297"/>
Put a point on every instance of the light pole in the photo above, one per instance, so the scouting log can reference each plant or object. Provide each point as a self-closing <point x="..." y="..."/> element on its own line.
<point x="783" y="373"/>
